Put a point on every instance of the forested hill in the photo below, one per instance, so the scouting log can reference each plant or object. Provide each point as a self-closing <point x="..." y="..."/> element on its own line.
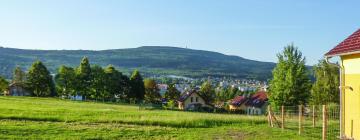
<point x="148" y="59"/>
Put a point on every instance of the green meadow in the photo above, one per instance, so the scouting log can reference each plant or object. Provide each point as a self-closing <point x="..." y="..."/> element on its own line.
<point x="51" y="118"/>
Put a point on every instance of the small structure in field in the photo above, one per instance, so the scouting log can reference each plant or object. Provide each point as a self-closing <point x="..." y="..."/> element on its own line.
<point x="349" y="53"/>
<point x="238" y="103"/>
<point x="257" y="103"/>
<point x="191" y="100"/>
<point x="17" y="89"/>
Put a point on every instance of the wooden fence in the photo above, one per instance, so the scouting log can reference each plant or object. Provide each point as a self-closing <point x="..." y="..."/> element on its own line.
<point x="318" y="121"/>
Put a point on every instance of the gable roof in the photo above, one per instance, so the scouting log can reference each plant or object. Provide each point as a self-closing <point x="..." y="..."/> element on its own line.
<point x="238" y="100"/>
<point x="258" y="99"/>
<point x="186" y="95"/>
<point x="349" y="46"/>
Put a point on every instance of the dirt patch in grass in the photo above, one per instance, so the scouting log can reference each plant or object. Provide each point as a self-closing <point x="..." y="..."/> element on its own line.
<point x="232" y="134"/>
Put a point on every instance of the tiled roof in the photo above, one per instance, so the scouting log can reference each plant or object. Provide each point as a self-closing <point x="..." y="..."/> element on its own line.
<point x="238" y="100"/>
<point x="187" y="94"/>
<point x="349" y="45"/>
<point x="258" y="99"/>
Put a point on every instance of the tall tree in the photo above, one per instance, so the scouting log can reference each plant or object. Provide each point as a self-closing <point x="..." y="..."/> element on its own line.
<point x="137" y="86"/>
<point x="225" y="94"/>
<point x="66" y="81"/>
<point x="172" y="93"/>
<point x="125" y="87"/>
<point x="98" y="83"/>
<point x="325" y="89"/>
<point x="290" y="84"/>
<point x="152" y="94"/>
<point x="39" y="81"/>
<point x="113" y="81"/>
<point x="207" y="92"/>
<point x="4" y="84"/>
<point x="19" y="76"/>
<point x="83" y="74"/>
<point x="117" y="84"/>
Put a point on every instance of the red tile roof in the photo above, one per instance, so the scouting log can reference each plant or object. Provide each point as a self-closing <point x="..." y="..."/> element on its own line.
<point x="258" y="99"/>
<point x="348" y="46"/>
<point x="238" y="100"/>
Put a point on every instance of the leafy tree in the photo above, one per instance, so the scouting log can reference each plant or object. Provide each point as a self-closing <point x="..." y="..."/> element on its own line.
<point x="172" y="93"/>
<point x="98" y="83"/>
<point x="117" y="84"/>
<point x="225" y="94"/>
<point x="207" y="92"/>
<point x="39" y="81"/>
<point x="290" y="84"/>
<point x="4" y="85"/>
<point x="19" y="76"/>
<point x="325" y="89"/>
<point x="137" y="86"/>
<point x="83" y="74"/>
<point x="113" y="85"/>
<point x="125" y="87"/>
<point x="152" y="94"/>
<point x="170" y="104"/>
<point x="66" y="81"/>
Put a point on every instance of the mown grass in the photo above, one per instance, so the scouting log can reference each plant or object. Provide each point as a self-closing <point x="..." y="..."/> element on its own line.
<point x="49" y="118"/>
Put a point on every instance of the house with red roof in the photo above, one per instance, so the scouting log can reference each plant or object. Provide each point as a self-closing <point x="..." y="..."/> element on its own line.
<point x="238" y="103"/>
<point x="257" y="103"/>
<point x="254" y="104"/>
<point x="349" y="53"/>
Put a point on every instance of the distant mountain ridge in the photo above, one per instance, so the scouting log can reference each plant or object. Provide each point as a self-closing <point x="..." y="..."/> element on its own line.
<point x="149" y="60"/>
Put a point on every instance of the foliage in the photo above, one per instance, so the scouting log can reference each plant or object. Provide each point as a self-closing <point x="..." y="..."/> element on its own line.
<point x="39" y="81"/>
<point x="152" y="94"/>
<point x="137" y="86"/>
<point x="19" y="76"/>
<point x="66" y="81"/>
<point x="225" y="94"/>
<point x="83" y="74"/>
<point x="105" y="84"/>
<point x="3" y="85"/>
<point x="325" y="89"/>
<point x="172" y="93"/>
<point x="207" y="92"/>
<point x="98" y="83"/>
<point x="171" y="104"/>
<point x="290" y="84"/>
<point x="117" y="84"/>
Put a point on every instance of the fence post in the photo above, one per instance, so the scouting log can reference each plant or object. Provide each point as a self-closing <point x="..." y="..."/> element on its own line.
<point x="282" y="118"/>
<point x="313" y="116"/>
<point x="300" y="119"/>
<point x="324" y="125"/>
<point x="269" y="115"/>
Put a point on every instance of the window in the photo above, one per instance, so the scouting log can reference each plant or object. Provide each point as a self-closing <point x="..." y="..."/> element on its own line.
<point x="196" y="99"/>
<point x="191" y="99"/>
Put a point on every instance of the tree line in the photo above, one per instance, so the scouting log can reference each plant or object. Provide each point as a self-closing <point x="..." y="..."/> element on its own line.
<point x="292" y="85"/>
<point x="91" y="82"/>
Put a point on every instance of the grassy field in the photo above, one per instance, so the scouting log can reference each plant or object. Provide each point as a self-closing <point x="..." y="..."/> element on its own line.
<point x="48" y="118"/>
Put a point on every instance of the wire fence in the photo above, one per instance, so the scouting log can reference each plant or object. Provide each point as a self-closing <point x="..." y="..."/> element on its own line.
<point x="317" y="121"/>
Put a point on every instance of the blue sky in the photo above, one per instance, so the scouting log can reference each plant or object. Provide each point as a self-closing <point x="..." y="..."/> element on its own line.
<point x="254" y="29"/>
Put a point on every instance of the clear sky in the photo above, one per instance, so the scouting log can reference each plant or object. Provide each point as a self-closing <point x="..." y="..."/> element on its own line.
<point x="254" y="29"/>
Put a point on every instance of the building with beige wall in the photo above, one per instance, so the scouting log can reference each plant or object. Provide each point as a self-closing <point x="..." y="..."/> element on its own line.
<point x="191" y="100"/>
